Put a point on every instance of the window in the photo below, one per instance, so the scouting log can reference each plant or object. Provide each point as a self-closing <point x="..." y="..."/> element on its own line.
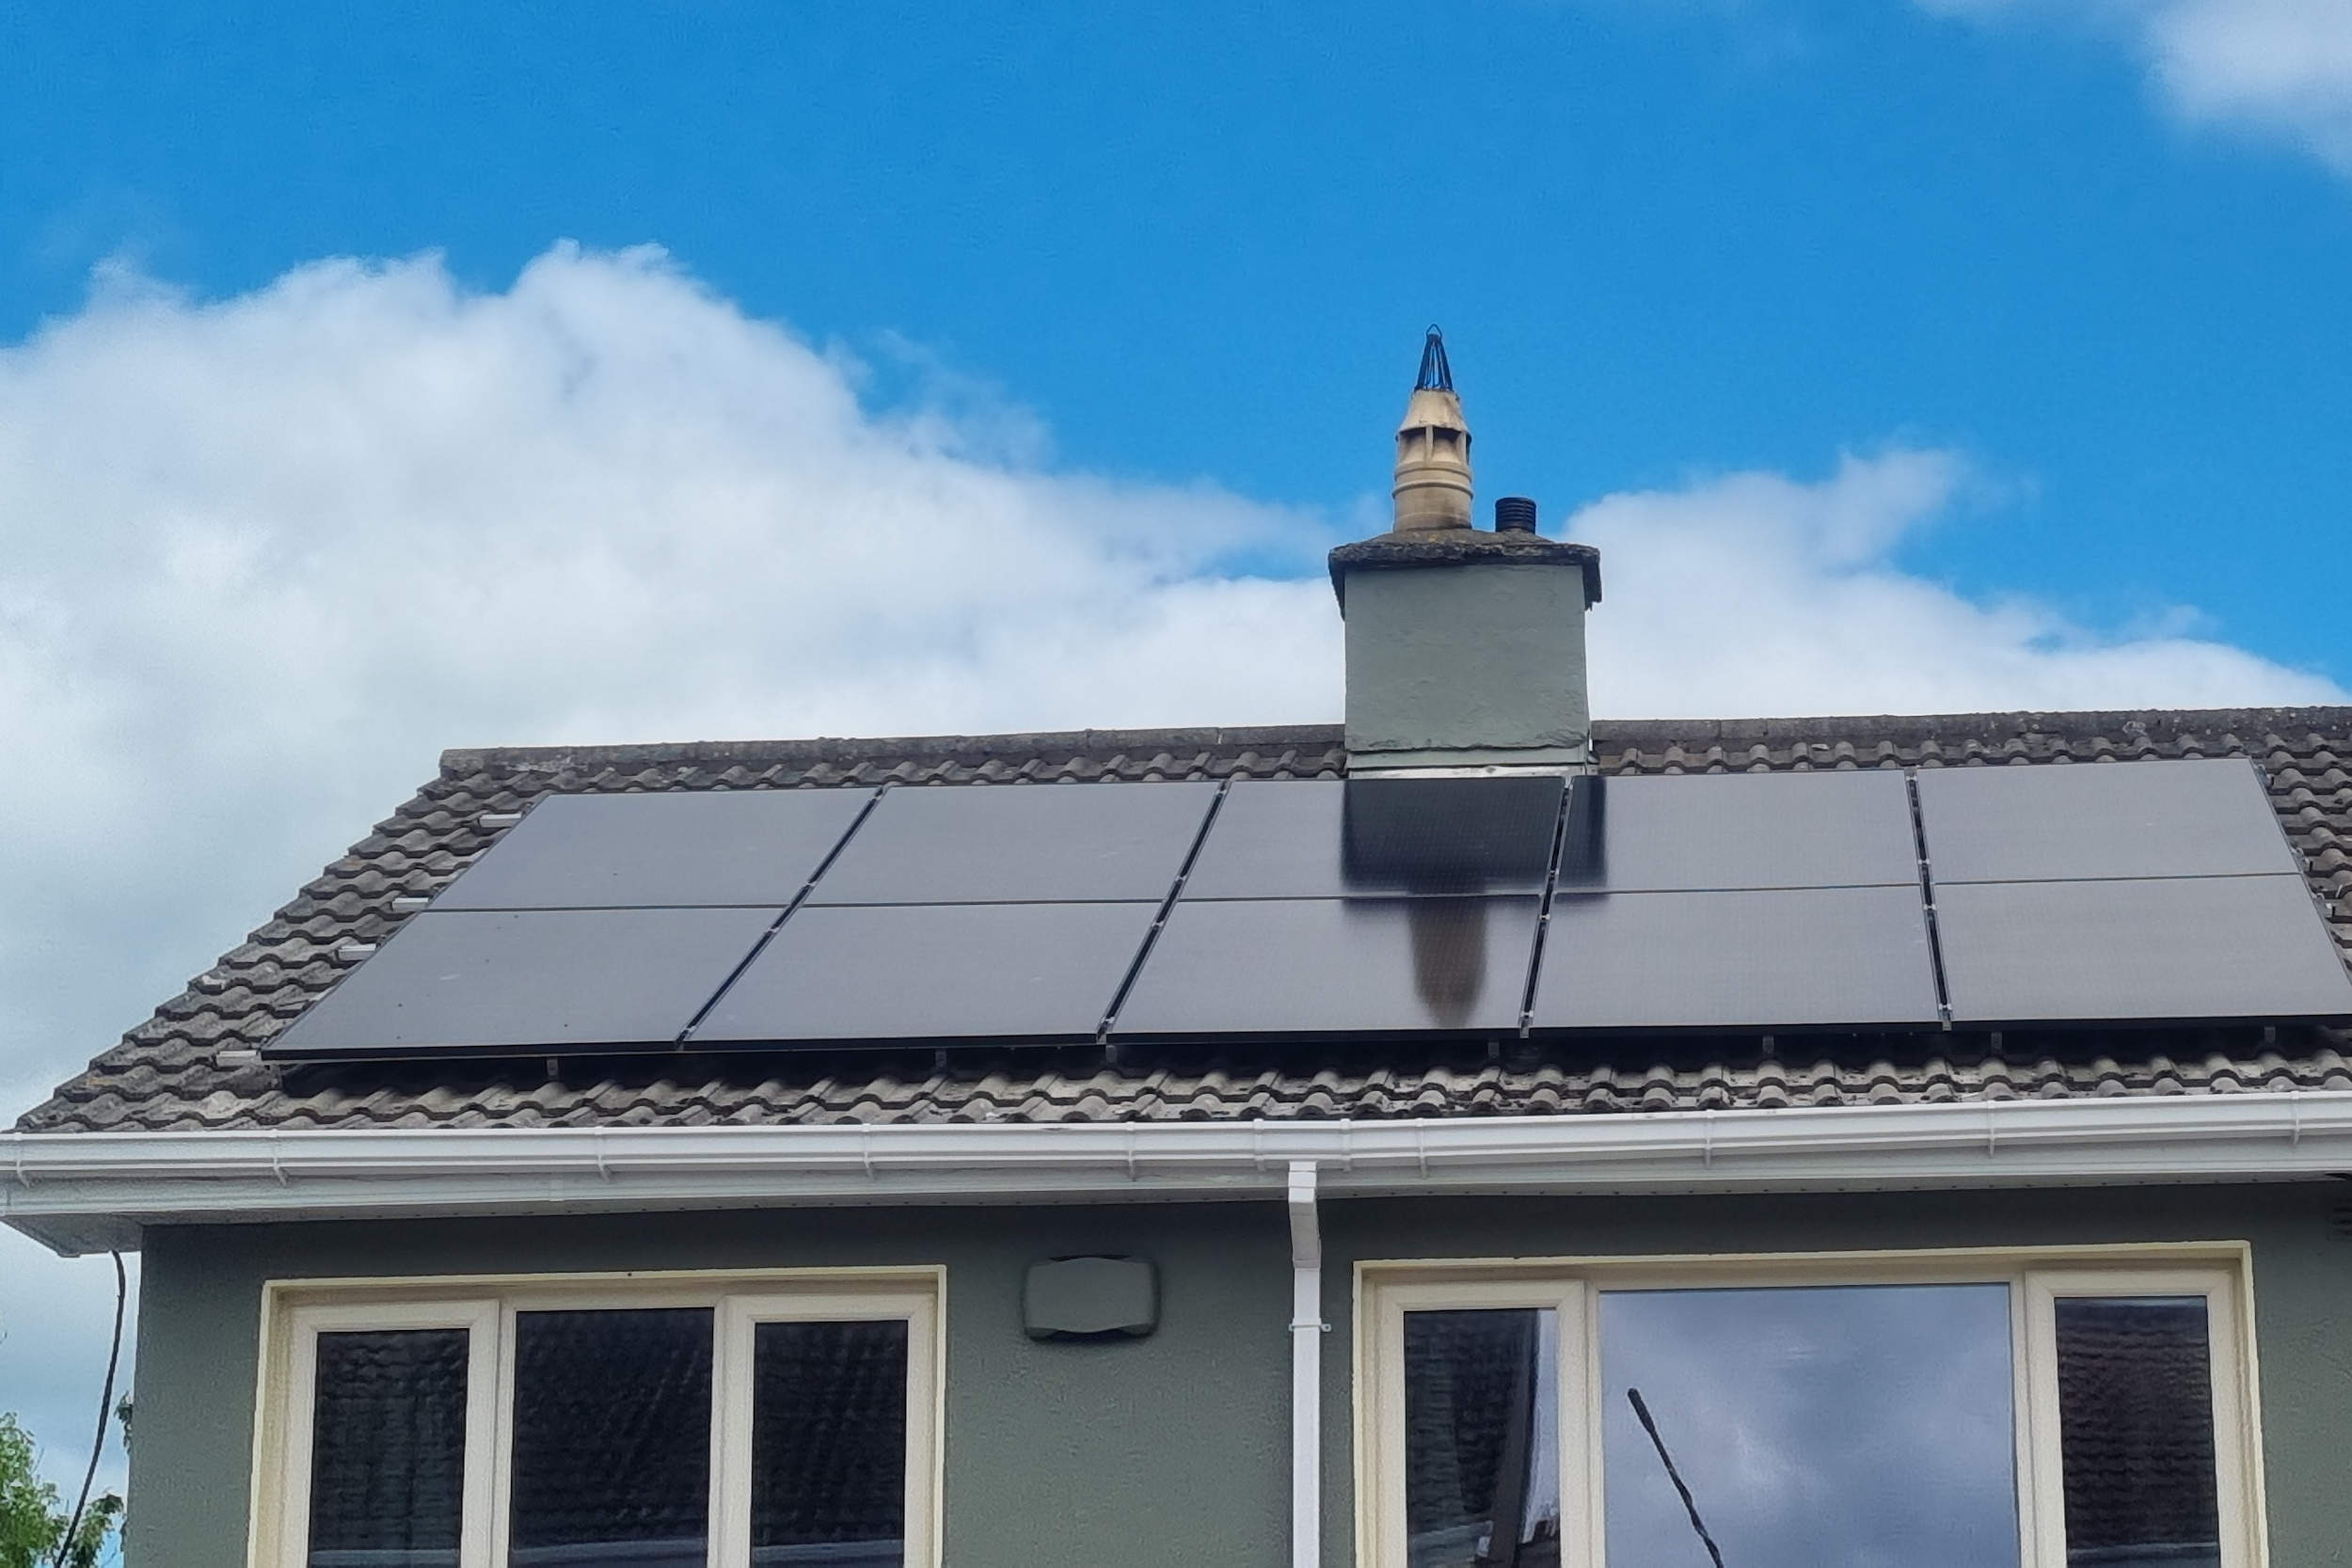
<point x="740" y="1422"/>
<point x="1943" y="1411"/>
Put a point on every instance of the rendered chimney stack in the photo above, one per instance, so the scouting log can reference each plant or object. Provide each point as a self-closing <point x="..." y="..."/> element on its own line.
<point x="1464" y="647"/>
<point x="1433" y="466"/>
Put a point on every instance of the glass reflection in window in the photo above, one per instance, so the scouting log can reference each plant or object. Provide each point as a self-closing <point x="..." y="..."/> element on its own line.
<point x="1481" y="1447"/>
<point x="387" y="1449"/>
<point x="612" y="1458"/>
<point x="2136" y="1426"/>
<point x="1818" y="1427"/>
<point x="828" y="1441"/>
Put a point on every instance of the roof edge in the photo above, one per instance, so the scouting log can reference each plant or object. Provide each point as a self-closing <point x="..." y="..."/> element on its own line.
<point x="2319" y="717"/>
<point x="92" y="1192"/>
<point x="2322" y="718"/>
<point x="1022" y="744"/>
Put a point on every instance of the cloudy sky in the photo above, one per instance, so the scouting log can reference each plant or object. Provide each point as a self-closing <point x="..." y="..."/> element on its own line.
<point x="1854" y="1427"/>
<point x="460" y="376"/>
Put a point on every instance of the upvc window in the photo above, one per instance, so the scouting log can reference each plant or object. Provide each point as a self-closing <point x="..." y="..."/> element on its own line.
<point x="1934" y="1411"/>
<point x="764" y="1420"/>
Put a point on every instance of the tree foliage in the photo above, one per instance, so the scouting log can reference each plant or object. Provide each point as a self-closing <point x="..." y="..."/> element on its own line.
<point x="33" y="1519"/>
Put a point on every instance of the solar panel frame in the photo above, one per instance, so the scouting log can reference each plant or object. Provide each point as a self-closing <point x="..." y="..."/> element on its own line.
<point x="2184" y="818"/>
<point x="1104" y="842"/>
<point x="520" y="982"/>
<point x="698" y="848"/>
<point x="888" y="974"/>
<point x="1765" y="959"/>
<point x="2138" y="950"/>
<point x="1325" y="967"/>
<point x="1740" y="831"/>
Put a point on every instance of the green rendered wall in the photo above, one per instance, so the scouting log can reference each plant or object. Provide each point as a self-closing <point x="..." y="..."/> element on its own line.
<point x="1174" y="1449"/>
<point x="1457" y="664"/>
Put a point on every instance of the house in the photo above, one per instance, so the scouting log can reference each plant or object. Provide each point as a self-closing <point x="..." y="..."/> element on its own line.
<point x="1469" y="1136"/>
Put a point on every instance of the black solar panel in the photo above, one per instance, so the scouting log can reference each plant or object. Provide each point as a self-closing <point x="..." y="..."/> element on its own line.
<point x="917" y="972"/>
<point x="1784" y="958"/>
<point x="1324" y="839"/>
<point x="2147" y="950"/>
<point x="1327" y="966"/>
<point x="2195" y="818"/>
<point x="637" y="851"/>
<point x="1017" y="844"/>
<point x="1381" y="907"/>
<point x="1699" y="831"/>
<point x="532" y="980"/>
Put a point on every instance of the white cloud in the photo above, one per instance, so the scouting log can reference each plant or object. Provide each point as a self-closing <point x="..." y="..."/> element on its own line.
<point x="261" y="558"/>
<point x="2282" y="66"/>
<point x="1756" y="593"/>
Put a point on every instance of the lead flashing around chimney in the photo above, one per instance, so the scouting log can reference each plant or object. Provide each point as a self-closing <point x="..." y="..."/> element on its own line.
<point x="1460" y="546"/>
<point x="1560" y="763"/>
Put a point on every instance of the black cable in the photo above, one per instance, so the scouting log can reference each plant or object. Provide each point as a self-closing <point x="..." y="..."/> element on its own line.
<point x="105" y="1413"/>
<point x="1674" y="1475"/>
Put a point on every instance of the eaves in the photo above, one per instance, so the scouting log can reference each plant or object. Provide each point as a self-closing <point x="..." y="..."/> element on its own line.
<point x="91" y="1192"/>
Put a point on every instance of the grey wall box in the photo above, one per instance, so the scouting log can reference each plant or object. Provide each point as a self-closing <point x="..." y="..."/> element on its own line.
<point x="1092" y="1298"/>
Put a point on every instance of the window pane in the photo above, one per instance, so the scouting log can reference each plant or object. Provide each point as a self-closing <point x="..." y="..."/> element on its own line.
<point x="2136" y="1425"/>
<point x="829" y="1444"/>
<point x="1482" y="1438"/>
<point x="1814" y="1428"/>
<point x="611" y="1460"/>
<point x="387" y="1449"/>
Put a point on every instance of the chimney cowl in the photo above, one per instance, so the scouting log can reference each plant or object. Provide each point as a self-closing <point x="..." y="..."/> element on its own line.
<point x="1433" y="442"/>
<point x="1465" y="648"/>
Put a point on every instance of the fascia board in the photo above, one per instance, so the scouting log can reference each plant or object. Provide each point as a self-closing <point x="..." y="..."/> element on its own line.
<point x="89" y="1191"/>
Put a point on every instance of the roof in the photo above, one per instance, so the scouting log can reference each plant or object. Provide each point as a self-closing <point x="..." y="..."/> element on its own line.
<point x="190" y="1066"/>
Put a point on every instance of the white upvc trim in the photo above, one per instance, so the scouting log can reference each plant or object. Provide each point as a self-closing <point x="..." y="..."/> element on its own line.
<point x="87" y="1191"/>
<point x="1306" y="1328"/>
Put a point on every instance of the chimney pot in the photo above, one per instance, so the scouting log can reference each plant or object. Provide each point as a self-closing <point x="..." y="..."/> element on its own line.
<point x="1515" y="515"/>
<point x="1433" y="468"/>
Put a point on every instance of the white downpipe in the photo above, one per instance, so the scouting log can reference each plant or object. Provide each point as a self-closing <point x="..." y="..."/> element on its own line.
<point x="1305" y="1369"/>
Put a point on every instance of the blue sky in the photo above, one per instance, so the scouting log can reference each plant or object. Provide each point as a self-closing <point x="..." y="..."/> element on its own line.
<point x="1666" y="237"/>
<point x="374" y="379"/>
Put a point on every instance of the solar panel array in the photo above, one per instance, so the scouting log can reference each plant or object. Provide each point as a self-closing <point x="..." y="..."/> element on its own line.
<point x="1869" y="900"/>
<point x="2149" y="890"/>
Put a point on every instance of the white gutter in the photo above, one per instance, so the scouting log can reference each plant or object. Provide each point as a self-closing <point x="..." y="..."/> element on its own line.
<point x="1305" y="1369"/>
<point x="84" y="1192"/>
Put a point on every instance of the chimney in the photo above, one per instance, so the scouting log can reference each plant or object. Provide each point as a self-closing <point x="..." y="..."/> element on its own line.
<point x="1464" y="647"/>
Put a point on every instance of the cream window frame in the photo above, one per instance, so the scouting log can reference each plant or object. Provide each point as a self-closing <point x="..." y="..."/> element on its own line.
<point x="2036" y="1278"/>
<point x="2236" y="1413"/>
<point x="1380" y="1444"/>
<point x="739" y="1316"/>
<point x="282" y="1516"/>
<point x="295" y="1312"/>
